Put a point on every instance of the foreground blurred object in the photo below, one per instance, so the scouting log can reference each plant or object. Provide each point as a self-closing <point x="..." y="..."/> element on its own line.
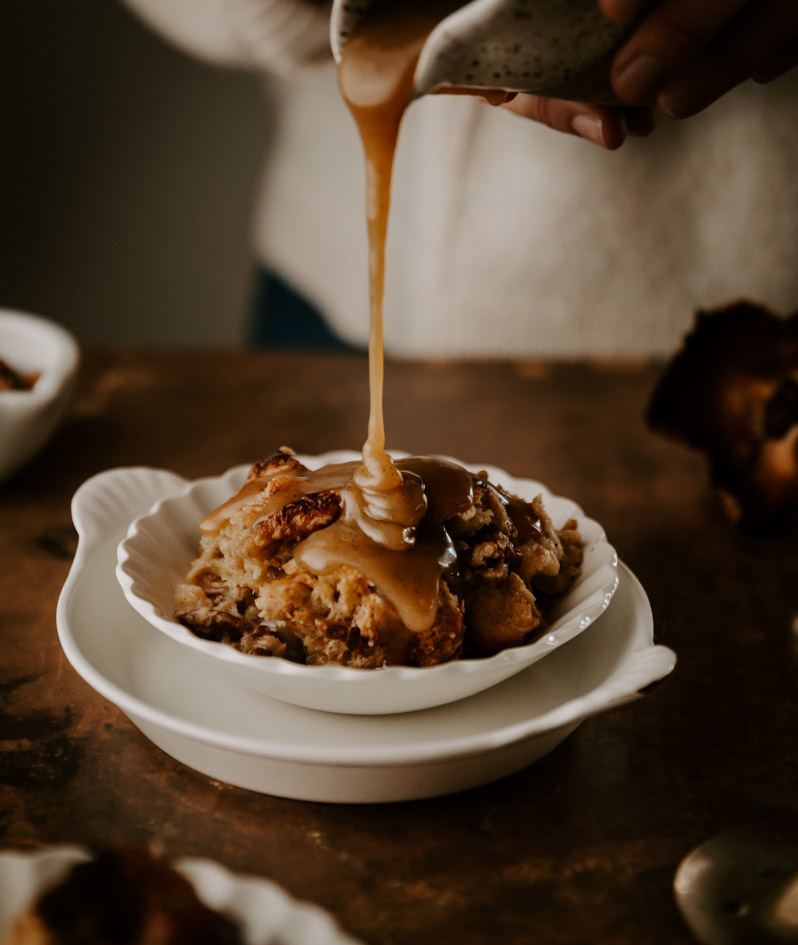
<point x="741" y="886"/>
<point x="48" y="356"/>
<point x="123" y="897"/>
<point x="732" y="391"/>
<point x="128" y="895"/>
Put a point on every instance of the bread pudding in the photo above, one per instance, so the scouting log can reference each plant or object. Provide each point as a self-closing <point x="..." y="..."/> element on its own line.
<point x="299" y="565"/>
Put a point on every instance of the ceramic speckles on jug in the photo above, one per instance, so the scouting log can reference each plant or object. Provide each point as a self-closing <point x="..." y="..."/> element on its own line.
<point x="557" y="48"/>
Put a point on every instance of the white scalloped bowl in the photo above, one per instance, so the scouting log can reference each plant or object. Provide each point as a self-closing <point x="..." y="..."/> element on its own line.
<point x="160" y="546"/>
<point x="264" y="911"/>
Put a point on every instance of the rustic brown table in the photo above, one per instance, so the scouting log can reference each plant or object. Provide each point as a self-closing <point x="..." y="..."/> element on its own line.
<point x="579" y="848"/>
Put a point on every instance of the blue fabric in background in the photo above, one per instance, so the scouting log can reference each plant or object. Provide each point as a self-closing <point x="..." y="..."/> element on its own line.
<point x="282" y="318"/>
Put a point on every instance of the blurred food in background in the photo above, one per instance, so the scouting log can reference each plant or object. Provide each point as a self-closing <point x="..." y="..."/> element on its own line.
<point x="732" y="392"/>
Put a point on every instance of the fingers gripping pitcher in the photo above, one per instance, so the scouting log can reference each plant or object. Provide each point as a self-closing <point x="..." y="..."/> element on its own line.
<point x="555" y="48"/>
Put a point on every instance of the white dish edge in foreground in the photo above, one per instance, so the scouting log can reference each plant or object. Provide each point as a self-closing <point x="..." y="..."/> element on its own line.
<point x="265" y="912"/>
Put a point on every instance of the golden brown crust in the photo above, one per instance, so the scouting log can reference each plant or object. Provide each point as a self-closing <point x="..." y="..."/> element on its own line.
<point x="500" y="615"/>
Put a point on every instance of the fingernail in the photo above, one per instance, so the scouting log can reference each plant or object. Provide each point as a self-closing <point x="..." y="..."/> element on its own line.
<point x="590" y="127"/>
<point x="667" y="105"/>
<point x="640" y="79"/>
<point x="678" y="102"/>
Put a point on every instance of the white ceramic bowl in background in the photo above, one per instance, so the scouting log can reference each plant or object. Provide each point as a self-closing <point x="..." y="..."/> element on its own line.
<point x="28" y="418"/>
<point x="160" y="546"/>
<point x="264" y="911"/>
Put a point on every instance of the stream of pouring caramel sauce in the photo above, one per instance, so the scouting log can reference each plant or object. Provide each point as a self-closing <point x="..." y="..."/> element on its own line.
<point x="392" y="527"/>
<point x="375" y="77"/>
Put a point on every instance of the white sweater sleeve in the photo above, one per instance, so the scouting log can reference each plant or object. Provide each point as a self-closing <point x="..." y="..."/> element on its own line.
<point x="274" y="35"/>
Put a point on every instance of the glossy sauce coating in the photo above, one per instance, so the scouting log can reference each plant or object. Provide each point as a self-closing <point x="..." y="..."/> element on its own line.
<point x="376" y="81"/>
<point x="392" y="526"/>
<point x="408" y="574"/>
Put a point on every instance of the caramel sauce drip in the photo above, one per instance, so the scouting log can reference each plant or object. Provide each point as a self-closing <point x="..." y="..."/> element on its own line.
<point x="408" y="574"/>
<point x="528" y="526"/>
<point x="293" y="485"/>
<point x="409" y="577"/>
<point x="393" y="522"/>
<point x="376" y="81"/>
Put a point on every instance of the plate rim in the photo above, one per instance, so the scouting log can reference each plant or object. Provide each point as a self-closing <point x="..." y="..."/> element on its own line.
<point x="389" y="756"/>
<point x="363" y="678"/>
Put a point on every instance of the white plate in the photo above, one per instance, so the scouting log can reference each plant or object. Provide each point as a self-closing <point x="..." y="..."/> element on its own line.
<point x="159" y="547"/>
<point x="204" y="719"/>
<point x="266" y="913"/>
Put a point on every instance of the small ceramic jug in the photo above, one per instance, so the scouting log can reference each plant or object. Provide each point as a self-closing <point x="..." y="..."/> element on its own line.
<point x="557" y="48"/>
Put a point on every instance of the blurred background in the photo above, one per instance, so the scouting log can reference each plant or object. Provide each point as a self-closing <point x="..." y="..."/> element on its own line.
<point x="149" y="249"/>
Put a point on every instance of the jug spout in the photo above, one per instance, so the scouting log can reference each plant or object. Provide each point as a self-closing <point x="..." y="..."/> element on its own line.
<point x="556" y="48"/>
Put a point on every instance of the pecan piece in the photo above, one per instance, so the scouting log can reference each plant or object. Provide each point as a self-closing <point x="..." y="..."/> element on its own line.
<point x="298" y="519"/>
<point x="280" y="462"/>
<point x="215" y="625"/>
<point x="230" y="624"/>
<point x="212" y="584"/>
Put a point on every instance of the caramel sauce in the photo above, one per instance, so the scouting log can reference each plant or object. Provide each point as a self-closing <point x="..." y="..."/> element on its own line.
<point x="527" y="525"/>
<point x="392" y="527"/>
<point x="376" y="81"/>
<point x="408" y="572"/>
<point x="294" y="484"/>
<point x="409" y="577"/>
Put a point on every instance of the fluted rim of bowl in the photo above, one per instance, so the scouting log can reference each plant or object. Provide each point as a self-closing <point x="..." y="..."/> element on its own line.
<point x="134" y="569"/>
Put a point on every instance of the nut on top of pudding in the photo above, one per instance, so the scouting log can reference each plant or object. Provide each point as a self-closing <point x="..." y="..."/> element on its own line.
<point x="315" y="567"/>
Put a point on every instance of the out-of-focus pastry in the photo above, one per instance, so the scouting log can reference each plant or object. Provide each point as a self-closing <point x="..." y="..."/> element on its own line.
<point x="732" y="391"/>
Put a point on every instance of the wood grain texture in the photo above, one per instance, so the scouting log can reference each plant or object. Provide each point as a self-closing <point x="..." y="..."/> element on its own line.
<point x="579" y="848"/>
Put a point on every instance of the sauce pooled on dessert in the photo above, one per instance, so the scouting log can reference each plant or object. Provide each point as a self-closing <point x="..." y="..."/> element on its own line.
<point x="408" y="569"/>
<point x="417" y="561"/>
<point x="392" y="526"/>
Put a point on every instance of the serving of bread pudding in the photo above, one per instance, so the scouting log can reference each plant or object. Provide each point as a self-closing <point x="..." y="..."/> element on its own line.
<point x="478" y="575"/>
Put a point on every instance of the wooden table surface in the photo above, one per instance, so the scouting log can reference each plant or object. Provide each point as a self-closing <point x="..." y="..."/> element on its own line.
<point x="579" y="848"/>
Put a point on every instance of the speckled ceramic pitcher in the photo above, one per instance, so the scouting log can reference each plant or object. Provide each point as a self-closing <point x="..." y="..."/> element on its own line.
<point x="557" y="48"/>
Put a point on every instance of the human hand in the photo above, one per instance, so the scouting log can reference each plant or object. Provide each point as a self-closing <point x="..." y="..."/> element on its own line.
<point x="685" y="54"/>
<point x="604" y="125"/>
